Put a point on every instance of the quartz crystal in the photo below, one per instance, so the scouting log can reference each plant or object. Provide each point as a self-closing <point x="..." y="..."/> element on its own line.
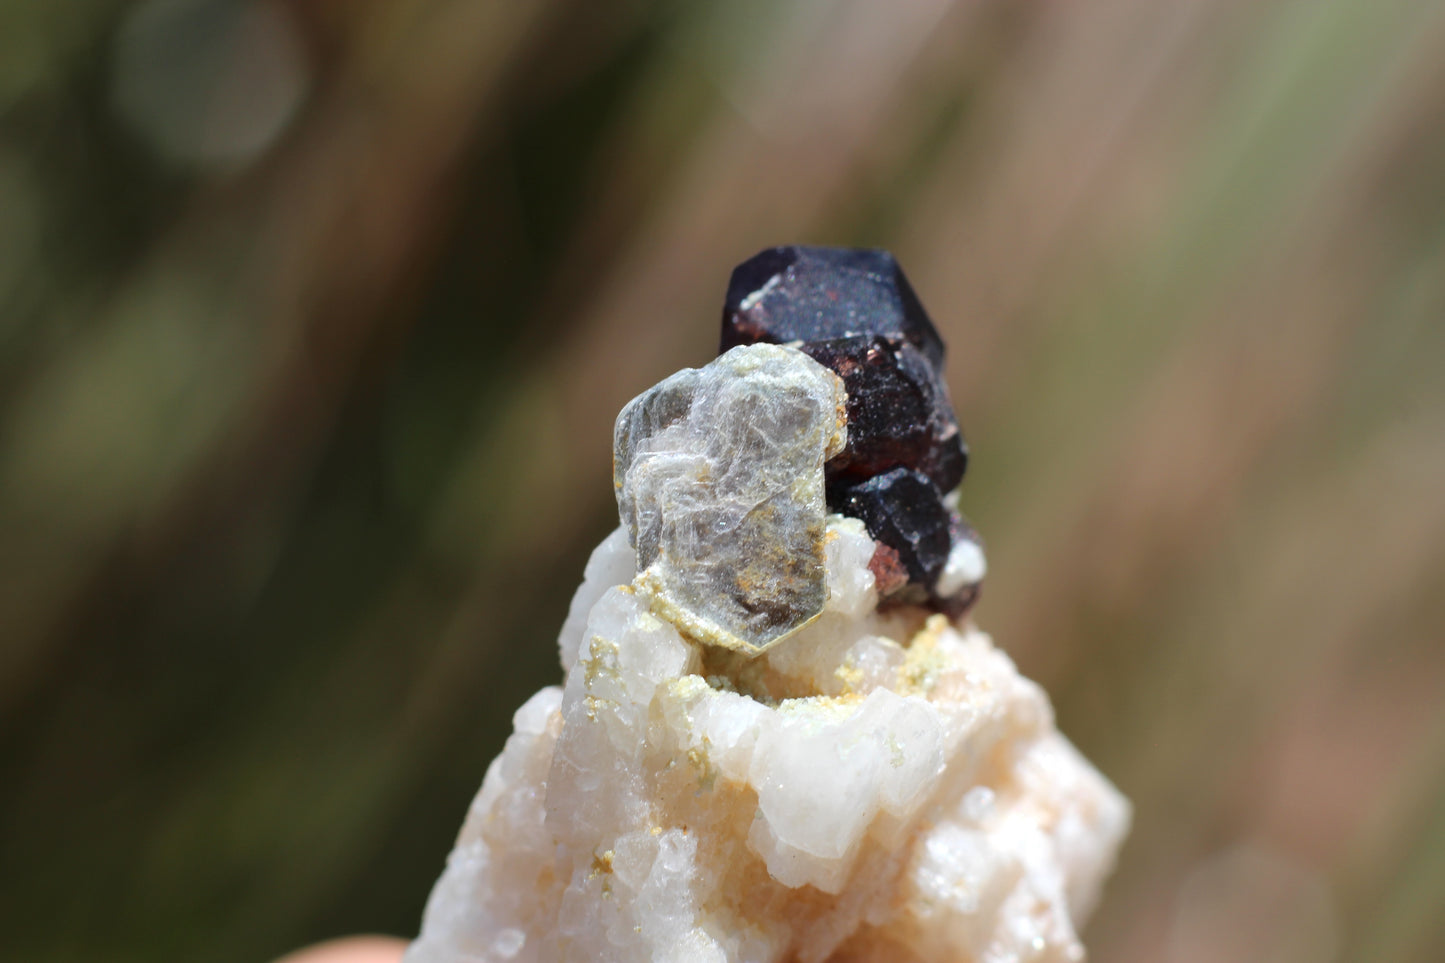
<point x="874" y="788"/>
<point x="778" y="738"/>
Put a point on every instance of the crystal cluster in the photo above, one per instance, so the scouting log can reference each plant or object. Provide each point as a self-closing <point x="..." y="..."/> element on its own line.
<point x="772" y="743"/>
<point x="856" y="313"/>
<point x="875" y="788"/>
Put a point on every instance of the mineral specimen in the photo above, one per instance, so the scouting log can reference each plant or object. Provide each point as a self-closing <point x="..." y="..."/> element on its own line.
<point x="719" y="478"/>
<point x="751" y="758"/>
<point x="799" y="293"/>
<point x="903" y="510"/>
<point x="898" y="411"/>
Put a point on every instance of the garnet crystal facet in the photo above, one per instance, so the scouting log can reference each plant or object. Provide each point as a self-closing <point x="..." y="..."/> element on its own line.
<point x="903" y="510"/>
<point x="898" y="411"/>
<point x="797" y="293"/>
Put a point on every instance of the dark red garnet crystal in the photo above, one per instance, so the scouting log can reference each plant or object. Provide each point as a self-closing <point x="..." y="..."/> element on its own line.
<point x="796" y="293"/>
<point x="902" y="509"/>
<point x="855" y="312"/>
<point x="898" y="411"/>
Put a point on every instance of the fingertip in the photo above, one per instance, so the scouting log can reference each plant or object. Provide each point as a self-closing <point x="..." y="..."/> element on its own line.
<point x="350" y="949"/>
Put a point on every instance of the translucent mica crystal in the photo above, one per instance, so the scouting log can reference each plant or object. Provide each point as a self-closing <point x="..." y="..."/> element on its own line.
<point x="719" y="478"/>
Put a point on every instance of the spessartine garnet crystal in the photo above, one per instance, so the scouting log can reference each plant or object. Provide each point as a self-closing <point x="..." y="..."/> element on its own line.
<point x="796" y="293"/>
<point x="854" y="312"/>
<point x="899" y="414"/>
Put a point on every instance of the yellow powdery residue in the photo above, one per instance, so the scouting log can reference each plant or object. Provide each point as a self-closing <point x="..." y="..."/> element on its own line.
<point x="701" y="760"/>
<point x="822" y="710"/>
<point x="924" y="662"/>
<point x="850" y="675"/>
<point x="601" y="662"/>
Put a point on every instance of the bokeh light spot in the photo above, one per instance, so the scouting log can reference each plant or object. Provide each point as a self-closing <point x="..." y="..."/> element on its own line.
<point x="209" y="82"/>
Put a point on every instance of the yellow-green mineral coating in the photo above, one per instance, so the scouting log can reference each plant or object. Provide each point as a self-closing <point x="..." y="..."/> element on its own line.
<point x="719" y="478"/>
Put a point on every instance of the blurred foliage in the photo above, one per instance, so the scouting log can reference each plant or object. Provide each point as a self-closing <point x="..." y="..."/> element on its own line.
<point x="314" y="317"/>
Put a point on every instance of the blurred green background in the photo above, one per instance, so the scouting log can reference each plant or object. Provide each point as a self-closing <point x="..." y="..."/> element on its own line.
<point x="314" y="317"/>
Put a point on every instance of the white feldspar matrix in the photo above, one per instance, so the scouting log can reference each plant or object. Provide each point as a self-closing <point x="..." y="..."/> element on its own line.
<point x="862" y="779"/>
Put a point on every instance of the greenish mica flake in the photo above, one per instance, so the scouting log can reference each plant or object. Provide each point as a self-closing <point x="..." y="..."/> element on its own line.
<point x="720" y="483"/>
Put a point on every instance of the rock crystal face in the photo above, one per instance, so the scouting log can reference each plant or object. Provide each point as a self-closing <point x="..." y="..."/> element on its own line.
<point x="877" y="786"/>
